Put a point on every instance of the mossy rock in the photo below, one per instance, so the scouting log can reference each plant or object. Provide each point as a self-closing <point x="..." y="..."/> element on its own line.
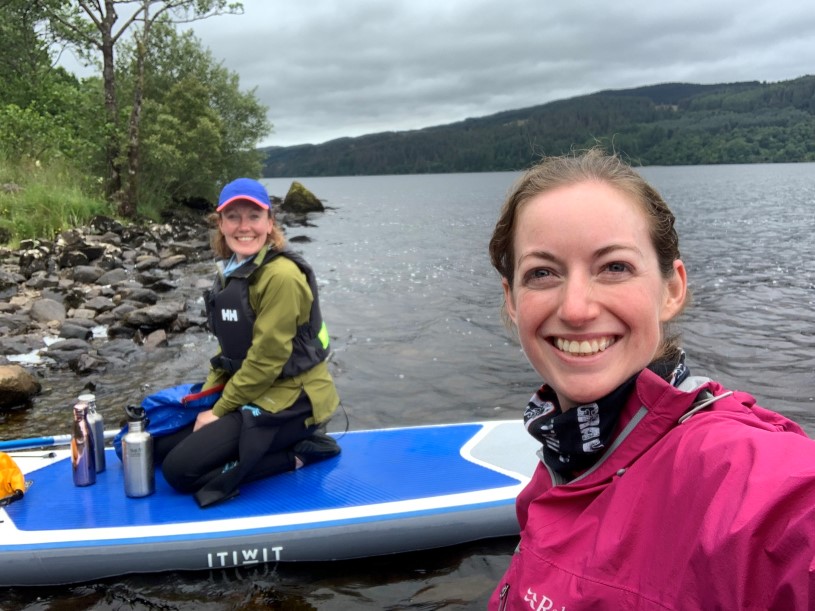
<point x="300" y="200"/>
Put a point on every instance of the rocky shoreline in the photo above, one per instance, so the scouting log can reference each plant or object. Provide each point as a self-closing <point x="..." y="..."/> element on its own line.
<point x="99" y="296"/>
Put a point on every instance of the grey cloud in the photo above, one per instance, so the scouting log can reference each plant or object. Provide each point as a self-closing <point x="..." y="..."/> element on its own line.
<point x="328" y="68"/>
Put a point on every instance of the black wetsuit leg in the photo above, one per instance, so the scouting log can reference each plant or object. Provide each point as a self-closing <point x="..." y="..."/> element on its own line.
<point x="264" y="449"/>
<point x="199" y="456"/>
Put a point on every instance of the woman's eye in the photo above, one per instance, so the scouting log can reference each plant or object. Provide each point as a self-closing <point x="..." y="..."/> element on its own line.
<point x="537" y="275"/>
<point x="618" y="267"/>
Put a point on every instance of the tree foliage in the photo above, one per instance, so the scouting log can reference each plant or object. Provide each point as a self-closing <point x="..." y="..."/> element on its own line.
<point x="200" y="129"/>
<point x="668" y="124"/>
<point x="43" y="110"/>
<point x="94" y="26"/>
<point x="163" y="115"/>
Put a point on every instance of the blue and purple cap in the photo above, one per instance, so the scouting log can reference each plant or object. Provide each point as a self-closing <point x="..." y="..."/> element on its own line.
<point x="244" y="189"/>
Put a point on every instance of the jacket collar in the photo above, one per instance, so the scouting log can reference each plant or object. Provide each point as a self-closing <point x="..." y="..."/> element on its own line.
<point x="651" y="411"/>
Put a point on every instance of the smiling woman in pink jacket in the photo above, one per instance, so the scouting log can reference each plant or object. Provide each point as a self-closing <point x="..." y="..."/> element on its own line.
<point x="657" y="489"/>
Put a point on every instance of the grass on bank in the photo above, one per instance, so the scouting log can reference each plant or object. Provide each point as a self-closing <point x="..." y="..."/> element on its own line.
<point x="39" y="201"/>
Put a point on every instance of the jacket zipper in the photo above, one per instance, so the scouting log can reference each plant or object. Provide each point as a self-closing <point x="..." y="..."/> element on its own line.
<point x="503" y="598"/>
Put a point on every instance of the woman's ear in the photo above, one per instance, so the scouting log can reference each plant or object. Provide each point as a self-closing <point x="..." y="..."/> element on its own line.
<point x="676" y="292"/>
<point x="509" y="301"/>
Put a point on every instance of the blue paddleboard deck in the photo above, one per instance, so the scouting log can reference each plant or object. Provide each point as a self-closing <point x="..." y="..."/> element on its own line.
<point x="389" y="491"/>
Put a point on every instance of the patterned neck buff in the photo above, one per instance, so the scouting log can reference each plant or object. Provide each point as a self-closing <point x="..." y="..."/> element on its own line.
<point x="575" y="439"/>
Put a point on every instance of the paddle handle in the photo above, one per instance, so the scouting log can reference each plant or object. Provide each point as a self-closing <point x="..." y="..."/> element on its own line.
<point x="42" y="442"/>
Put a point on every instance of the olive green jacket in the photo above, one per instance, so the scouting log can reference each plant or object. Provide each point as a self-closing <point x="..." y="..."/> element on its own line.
<point x="281" y="299"/>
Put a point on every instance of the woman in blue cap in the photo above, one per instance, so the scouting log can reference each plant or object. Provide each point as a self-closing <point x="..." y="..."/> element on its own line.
<point x="277" y="391"/>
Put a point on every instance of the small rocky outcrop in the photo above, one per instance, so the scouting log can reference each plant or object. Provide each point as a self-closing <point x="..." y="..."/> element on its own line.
<point x="300" y="200"/>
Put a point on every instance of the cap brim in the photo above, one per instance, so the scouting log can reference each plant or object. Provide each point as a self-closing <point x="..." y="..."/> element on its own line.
<point x="244" y="198"/>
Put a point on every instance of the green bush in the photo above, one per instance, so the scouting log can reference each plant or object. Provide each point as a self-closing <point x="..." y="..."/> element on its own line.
<point x="39" y="201"/>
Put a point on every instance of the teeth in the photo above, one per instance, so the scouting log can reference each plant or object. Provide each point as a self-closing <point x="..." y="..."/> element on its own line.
<point x="585" y="347"/>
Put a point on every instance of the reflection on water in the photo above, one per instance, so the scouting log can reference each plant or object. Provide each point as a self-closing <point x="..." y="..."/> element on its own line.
<point x="413" y="309"/>
<point x="459" y="577"/>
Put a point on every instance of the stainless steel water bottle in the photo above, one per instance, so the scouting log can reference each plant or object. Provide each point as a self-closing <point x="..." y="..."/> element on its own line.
<point x="83" y="457"/>
<point x="137" y="454"/>
<point x="97" y="430"/>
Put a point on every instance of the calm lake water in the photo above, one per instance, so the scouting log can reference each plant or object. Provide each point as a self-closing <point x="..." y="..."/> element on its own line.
<point x="412" y="306"/>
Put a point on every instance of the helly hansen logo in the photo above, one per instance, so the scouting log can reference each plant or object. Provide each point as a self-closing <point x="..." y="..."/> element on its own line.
<point x="229" y="315"/>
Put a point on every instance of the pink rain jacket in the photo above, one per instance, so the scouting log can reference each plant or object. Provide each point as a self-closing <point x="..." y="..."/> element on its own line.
<point x="716" y="512"/>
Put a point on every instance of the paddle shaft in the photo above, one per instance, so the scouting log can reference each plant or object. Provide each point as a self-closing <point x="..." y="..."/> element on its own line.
<point x="42" y="442"/>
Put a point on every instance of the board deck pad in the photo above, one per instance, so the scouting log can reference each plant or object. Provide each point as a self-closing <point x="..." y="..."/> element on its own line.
<point x="421" y="477"/>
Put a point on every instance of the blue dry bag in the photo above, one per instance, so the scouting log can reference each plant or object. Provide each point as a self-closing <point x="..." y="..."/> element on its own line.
<point x="171" y="409"/>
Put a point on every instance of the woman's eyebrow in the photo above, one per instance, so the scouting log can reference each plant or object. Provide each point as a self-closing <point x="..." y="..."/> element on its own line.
<point x="545" y="255"/>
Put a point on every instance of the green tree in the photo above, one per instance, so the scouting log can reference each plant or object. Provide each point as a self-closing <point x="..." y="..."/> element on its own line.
<point x="199" y="129"/>
<point x="93" y="26"/>
<point x="44" y="110"/>
<point x="24" y="58"/>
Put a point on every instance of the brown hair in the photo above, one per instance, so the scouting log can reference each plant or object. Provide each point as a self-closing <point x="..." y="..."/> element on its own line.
<point x="591" y="165"/>
<point x="217" y="241"/>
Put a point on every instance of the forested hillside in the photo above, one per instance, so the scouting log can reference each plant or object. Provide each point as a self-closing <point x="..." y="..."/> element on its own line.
<point x="667" y="124"/>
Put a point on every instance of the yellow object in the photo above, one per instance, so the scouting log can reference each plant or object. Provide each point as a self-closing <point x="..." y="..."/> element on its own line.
<point x="12" y="482"/>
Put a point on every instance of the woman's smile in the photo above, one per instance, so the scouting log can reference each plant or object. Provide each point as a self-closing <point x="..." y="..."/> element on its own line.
<point x="583" y="347"/>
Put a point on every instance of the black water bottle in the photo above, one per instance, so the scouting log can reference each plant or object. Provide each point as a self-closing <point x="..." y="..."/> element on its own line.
<point x="137" y="454"/>
<point x="83" y="456"/>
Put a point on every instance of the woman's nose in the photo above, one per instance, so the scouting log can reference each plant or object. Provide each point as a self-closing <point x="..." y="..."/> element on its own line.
<point x="577" y="304"/>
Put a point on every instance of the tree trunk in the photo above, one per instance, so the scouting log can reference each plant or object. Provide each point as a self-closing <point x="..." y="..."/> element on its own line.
<point x="129" y="203"/>
<point x="113" y="185"/>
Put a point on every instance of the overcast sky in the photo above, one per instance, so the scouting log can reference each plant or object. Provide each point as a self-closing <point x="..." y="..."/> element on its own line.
<point x="333" y="68"/>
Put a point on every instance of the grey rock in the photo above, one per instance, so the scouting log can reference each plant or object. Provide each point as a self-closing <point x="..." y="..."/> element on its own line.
<point x="35" y="260"/>
<point x="73" y="258"/>
<point x="186" y="321"/>
<point x="74" y="331"/>
<point x="106" y="224"/>
<point x="44" y="310"/>
<point x="123" y="309"/>
<point x="19" y="344"/>
<point x="172" y="261"/>
<point x="154" y="316"/>
<point x="68" y="345"/>
<point x="14" y="324"/>
<point x="86" y="363"/>
<point x="55" y="295"/>
<point x="68" y="351"/>
<point x="113" y="276"/>
<point x="120" y="330"/>
<point x="99" y="304"/>
<point x="83" y="313"/>
<point x="42" y="280"/>
<point x="146" y="262"/>
<point x="140" y="295"/>
<point x="123" y="348"/>
<point x="88" y="274"/>
<point x="155" y="340"/>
